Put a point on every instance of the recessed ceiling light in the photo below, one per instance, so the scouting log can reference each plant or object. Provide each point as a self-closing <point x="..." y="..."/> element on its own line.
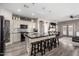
<point x="26" y="6"/>
<point x="19" y="10"/>
<point x="43" y="8"/>
<point x="33" y="14"/>
<point x="50" y="11"/>
<point x="33" y="3"/>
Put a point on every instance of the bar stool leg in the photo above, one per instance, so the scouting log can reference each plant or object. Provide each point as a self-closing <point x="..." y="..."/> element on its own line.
<point x="54" y="42"/>
<point x="44" y="47"/>
<point x="41" y="48"/>
<point x="32" y="50"/>
<point x="58" y="40"/>
<point x="38" y="47"/>
<point x="51" y="43"/>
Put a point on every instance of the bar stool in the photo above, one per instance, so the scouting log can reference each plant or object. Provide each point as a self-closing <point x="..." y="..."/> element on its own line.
<point x="40" y="47"/>
<point x="33" y="49"/>
<point x="55" y="44"/>
<point x="37" y="46"/>
<point x="46" y="44"/>
<point x="51" y="43"/>
<point x="43" y="47"/>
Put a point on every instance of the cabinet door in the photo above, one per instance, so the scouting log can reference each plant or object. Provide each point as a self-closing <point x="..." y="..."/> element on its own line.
<point x="70" y="30"/>
<point x="64" y="30"/>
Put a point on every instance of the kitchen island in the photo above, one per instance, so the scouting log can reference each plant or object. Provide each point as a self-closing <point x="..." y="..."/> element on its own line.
<point x="39" y="43"/>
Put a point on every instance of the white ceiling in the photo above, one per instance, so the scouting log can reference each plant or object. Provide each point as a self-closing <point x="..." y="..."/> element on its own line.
<point x="48" y="11"/>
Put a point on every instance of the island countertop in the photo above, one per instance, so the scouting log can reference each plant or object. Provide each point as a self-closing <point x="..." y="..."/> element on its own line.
<point x="38" y="35"/>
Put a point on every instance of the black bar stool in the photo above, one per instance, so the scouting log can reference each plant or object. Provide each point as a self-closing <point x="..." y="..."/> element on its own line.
<point x="46" y="44"/>
<point x="55" y="44"/>
<point x="51" y="43"/>
<point x="38" y="46"/>
<point x="43" y="47"/>
<point x="33" y="49"/>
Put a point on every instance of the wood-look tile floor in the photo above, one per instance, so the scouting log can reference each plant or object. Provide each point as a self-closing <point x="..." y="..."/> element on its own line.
<point x="65" y="48"/>
<point x="16" y="49"/>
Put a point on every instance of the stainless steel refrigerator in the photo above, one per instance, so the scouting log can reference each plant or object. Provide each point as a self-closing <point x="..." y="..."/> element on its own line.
<point x="2" y="42"/>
